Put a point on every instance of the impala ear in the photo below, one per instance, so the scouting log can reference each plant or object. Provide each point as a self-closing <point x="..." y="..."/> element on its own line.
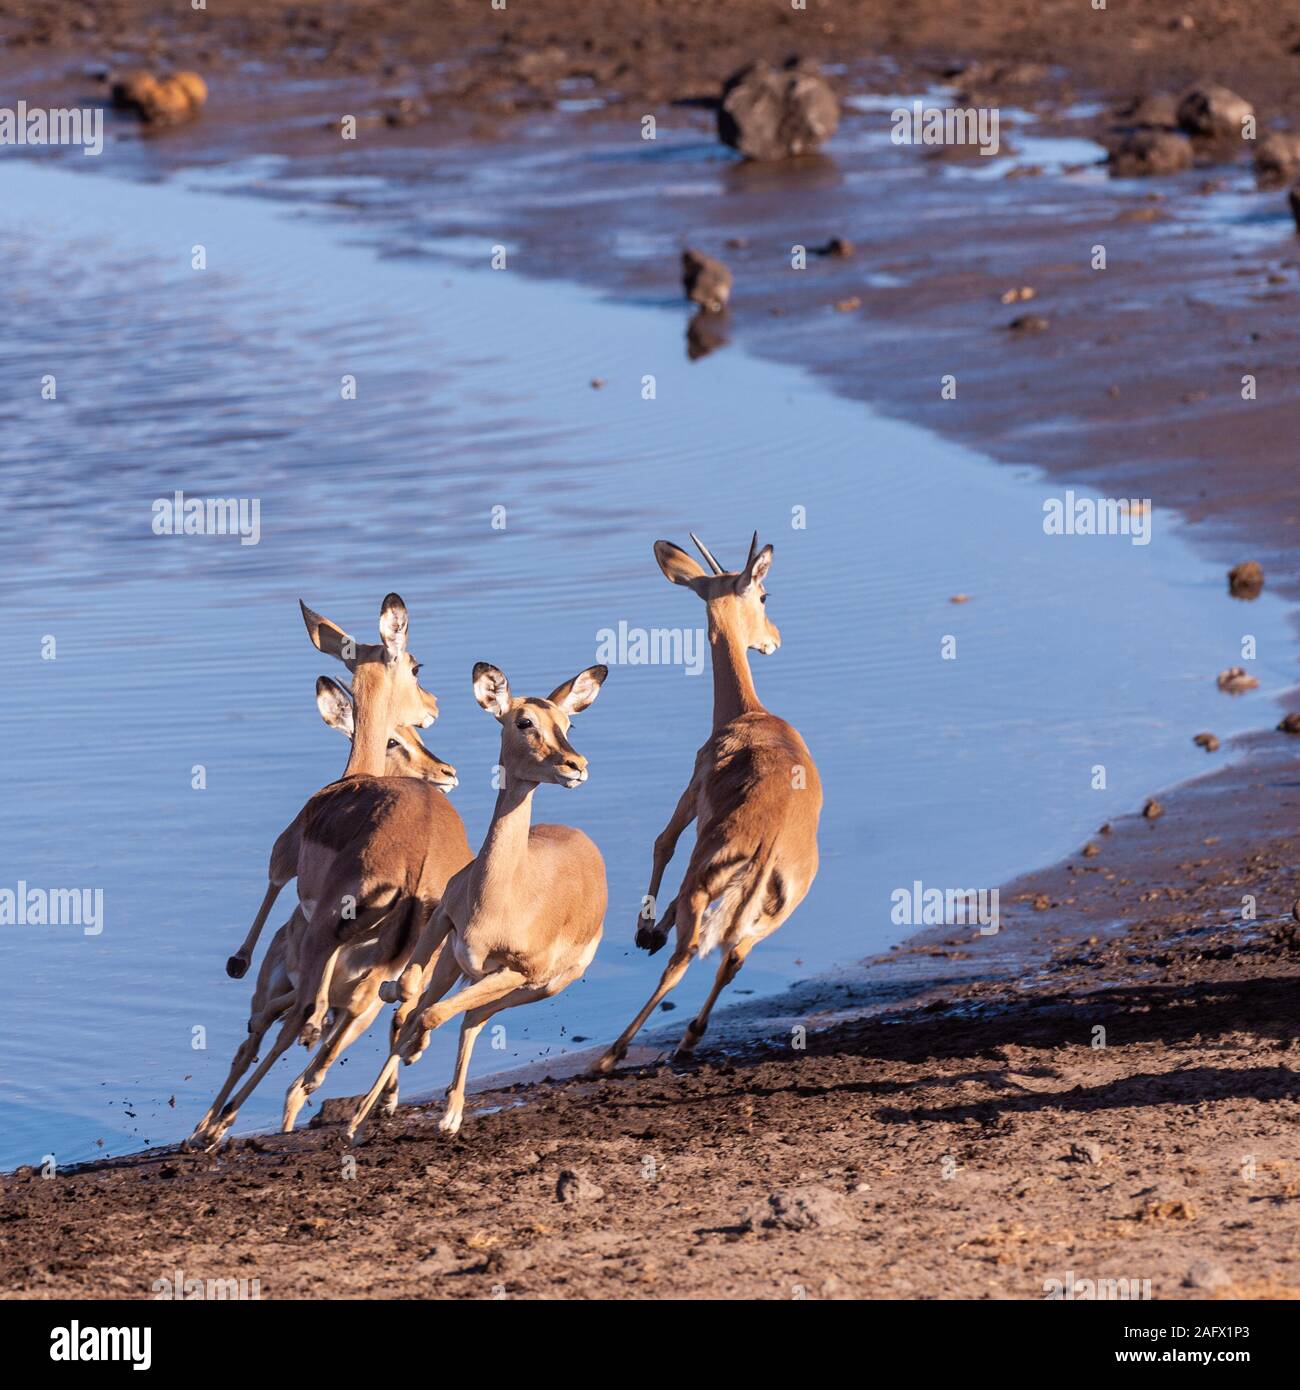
<point x="335" y="705"/>
<point x="574" y="696"/>
<point x="756" y="570"/>
<point x="676" y="564"/>
<point x="491" y="689"/>
<point x="328" y="638"/>
<point x="393" y="623"/>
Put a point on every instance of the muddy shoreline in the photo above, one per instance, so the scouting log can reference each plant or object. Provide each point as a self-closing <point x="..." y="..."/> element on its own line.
<point x="967" y="1138"/>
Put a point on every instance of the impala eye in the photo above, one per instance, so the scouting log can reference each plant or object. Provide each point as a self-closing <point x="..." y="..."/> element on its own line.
<point x="762" y="598"/>
<point x="524" y="724"/>
<point x="416" y="668"/>
<point x="393" y="743"/>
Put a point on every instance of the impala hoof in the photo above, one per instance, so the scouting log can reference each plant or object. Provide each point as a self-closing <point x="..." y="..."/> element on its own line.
<point x="390" y="992"/>
<point x="237" y="967"/>
<point x="606" y="1064"/>
<point x="651" y="939"/>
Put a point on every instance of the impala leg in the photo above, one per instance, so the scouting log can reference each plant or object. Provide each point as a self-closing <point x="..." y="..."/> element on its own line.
<point x="237" y="965"/>
<point x="348" y="1029"/>
<point x="485" y="991"/>
<point x="471" y="1026"/>
<point x="293" y="1021"/>
<point x="445" y="974"/>
<point x="689" y="914"/>
<point x="728" y="969"/>
<point x="245" y="1056"/>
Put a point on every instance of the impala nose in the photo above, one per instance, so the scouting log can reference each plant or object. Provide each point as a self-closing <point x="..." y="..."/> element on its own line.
<point x="572" y="769"/>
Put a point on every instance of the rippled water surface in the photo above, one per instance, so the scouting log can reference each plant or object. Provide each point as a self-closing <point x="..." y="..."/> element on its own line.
<point x="474" y="406"/>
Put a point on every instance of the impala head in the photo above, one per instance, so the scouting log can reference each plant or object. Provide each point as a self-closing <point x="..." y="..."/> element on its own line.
<point x="534" y="746"/>
<point x="737" y="600"/>
<point x="406" y="755"/>
<point x="383" y="673"/>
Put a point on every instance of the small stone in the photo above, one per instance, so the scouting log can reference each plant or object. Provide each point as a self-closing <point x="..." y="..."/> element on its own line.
<point x="1159" y="109"/>
<point x="1207" y="741"/>
<point x="1149" y="152"/>
<point x="1091" y="850"/>
<point x="1246" y="579"/>
<point x="1293" y="201"/>
<point x="959" y="598"/>
<point x="801" y="1209"/>
<point x="337" y="1110"/>
<point x="1234" y="681"/>
<point x="1086" y="1151"/>
<point x="1214" y="112"/>
<point x="707" y="281"/>
<point x="1018" y="296"/>
<point x="1277" y="159"/>
<point x="1152" y="810"/>
<point x="1042" y="902"/>
<point x="597" y="383"/>
<point x="1206" y="1275"/>
<point x="768" y="113"/>
<point x="847" y="306"/>
<point x="572" y="1188"/>
<point x="1290" y="724"/>
<point x="1029" y="323"/>
<point x="836" y="246"/>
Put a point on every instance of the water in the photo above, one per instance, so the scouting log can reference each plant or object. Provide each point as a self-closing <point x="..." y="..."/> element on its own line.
<point x="474" y="403"/>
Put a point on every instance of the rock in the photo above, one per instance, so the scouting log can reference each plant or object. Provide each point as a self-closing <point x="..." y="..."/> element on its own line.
<point x="510" y="1262"/>
<point x="847" y="306"/>
<point x="1234" y="681"/>
<point x="1042" y="902"/>
<point x="1019" y="294"/>
<point x="1091" y="850"/>
<point x="1029" y="323"/>
<point x="836" y="246"/>
<point x="1246" y="580"/>
<point x="1293" y="201"/>
<point x="1277" y="159"/>
<point x="769" y="114"/>
<point x="1213" y="112"/>
<point x="707" y="281"/>
<point x="1290" y="724"/>
<point x="1206" y="1275"/>
<point x="1086" y="1151"/>
<point x="959" y="598"/>
<point x="1159" y="109"/>
<point x="801" y="1209"/>
<point x="160" y="101"/>
<point x="337" y="1110"/>
<point x="1148" y="152"/>
<point x="1207" y="741"/>
<point x="1152" y="809"/>
<point x="572" y="1188"/>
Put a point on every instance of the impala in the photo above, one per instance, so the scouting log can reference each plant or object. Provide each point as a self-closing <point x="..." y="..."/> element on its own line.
<point x="374" y="856"/>
<point x="754" y="792"/>
<point x="405" y="756"/>
<point x="523" y="920"/>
